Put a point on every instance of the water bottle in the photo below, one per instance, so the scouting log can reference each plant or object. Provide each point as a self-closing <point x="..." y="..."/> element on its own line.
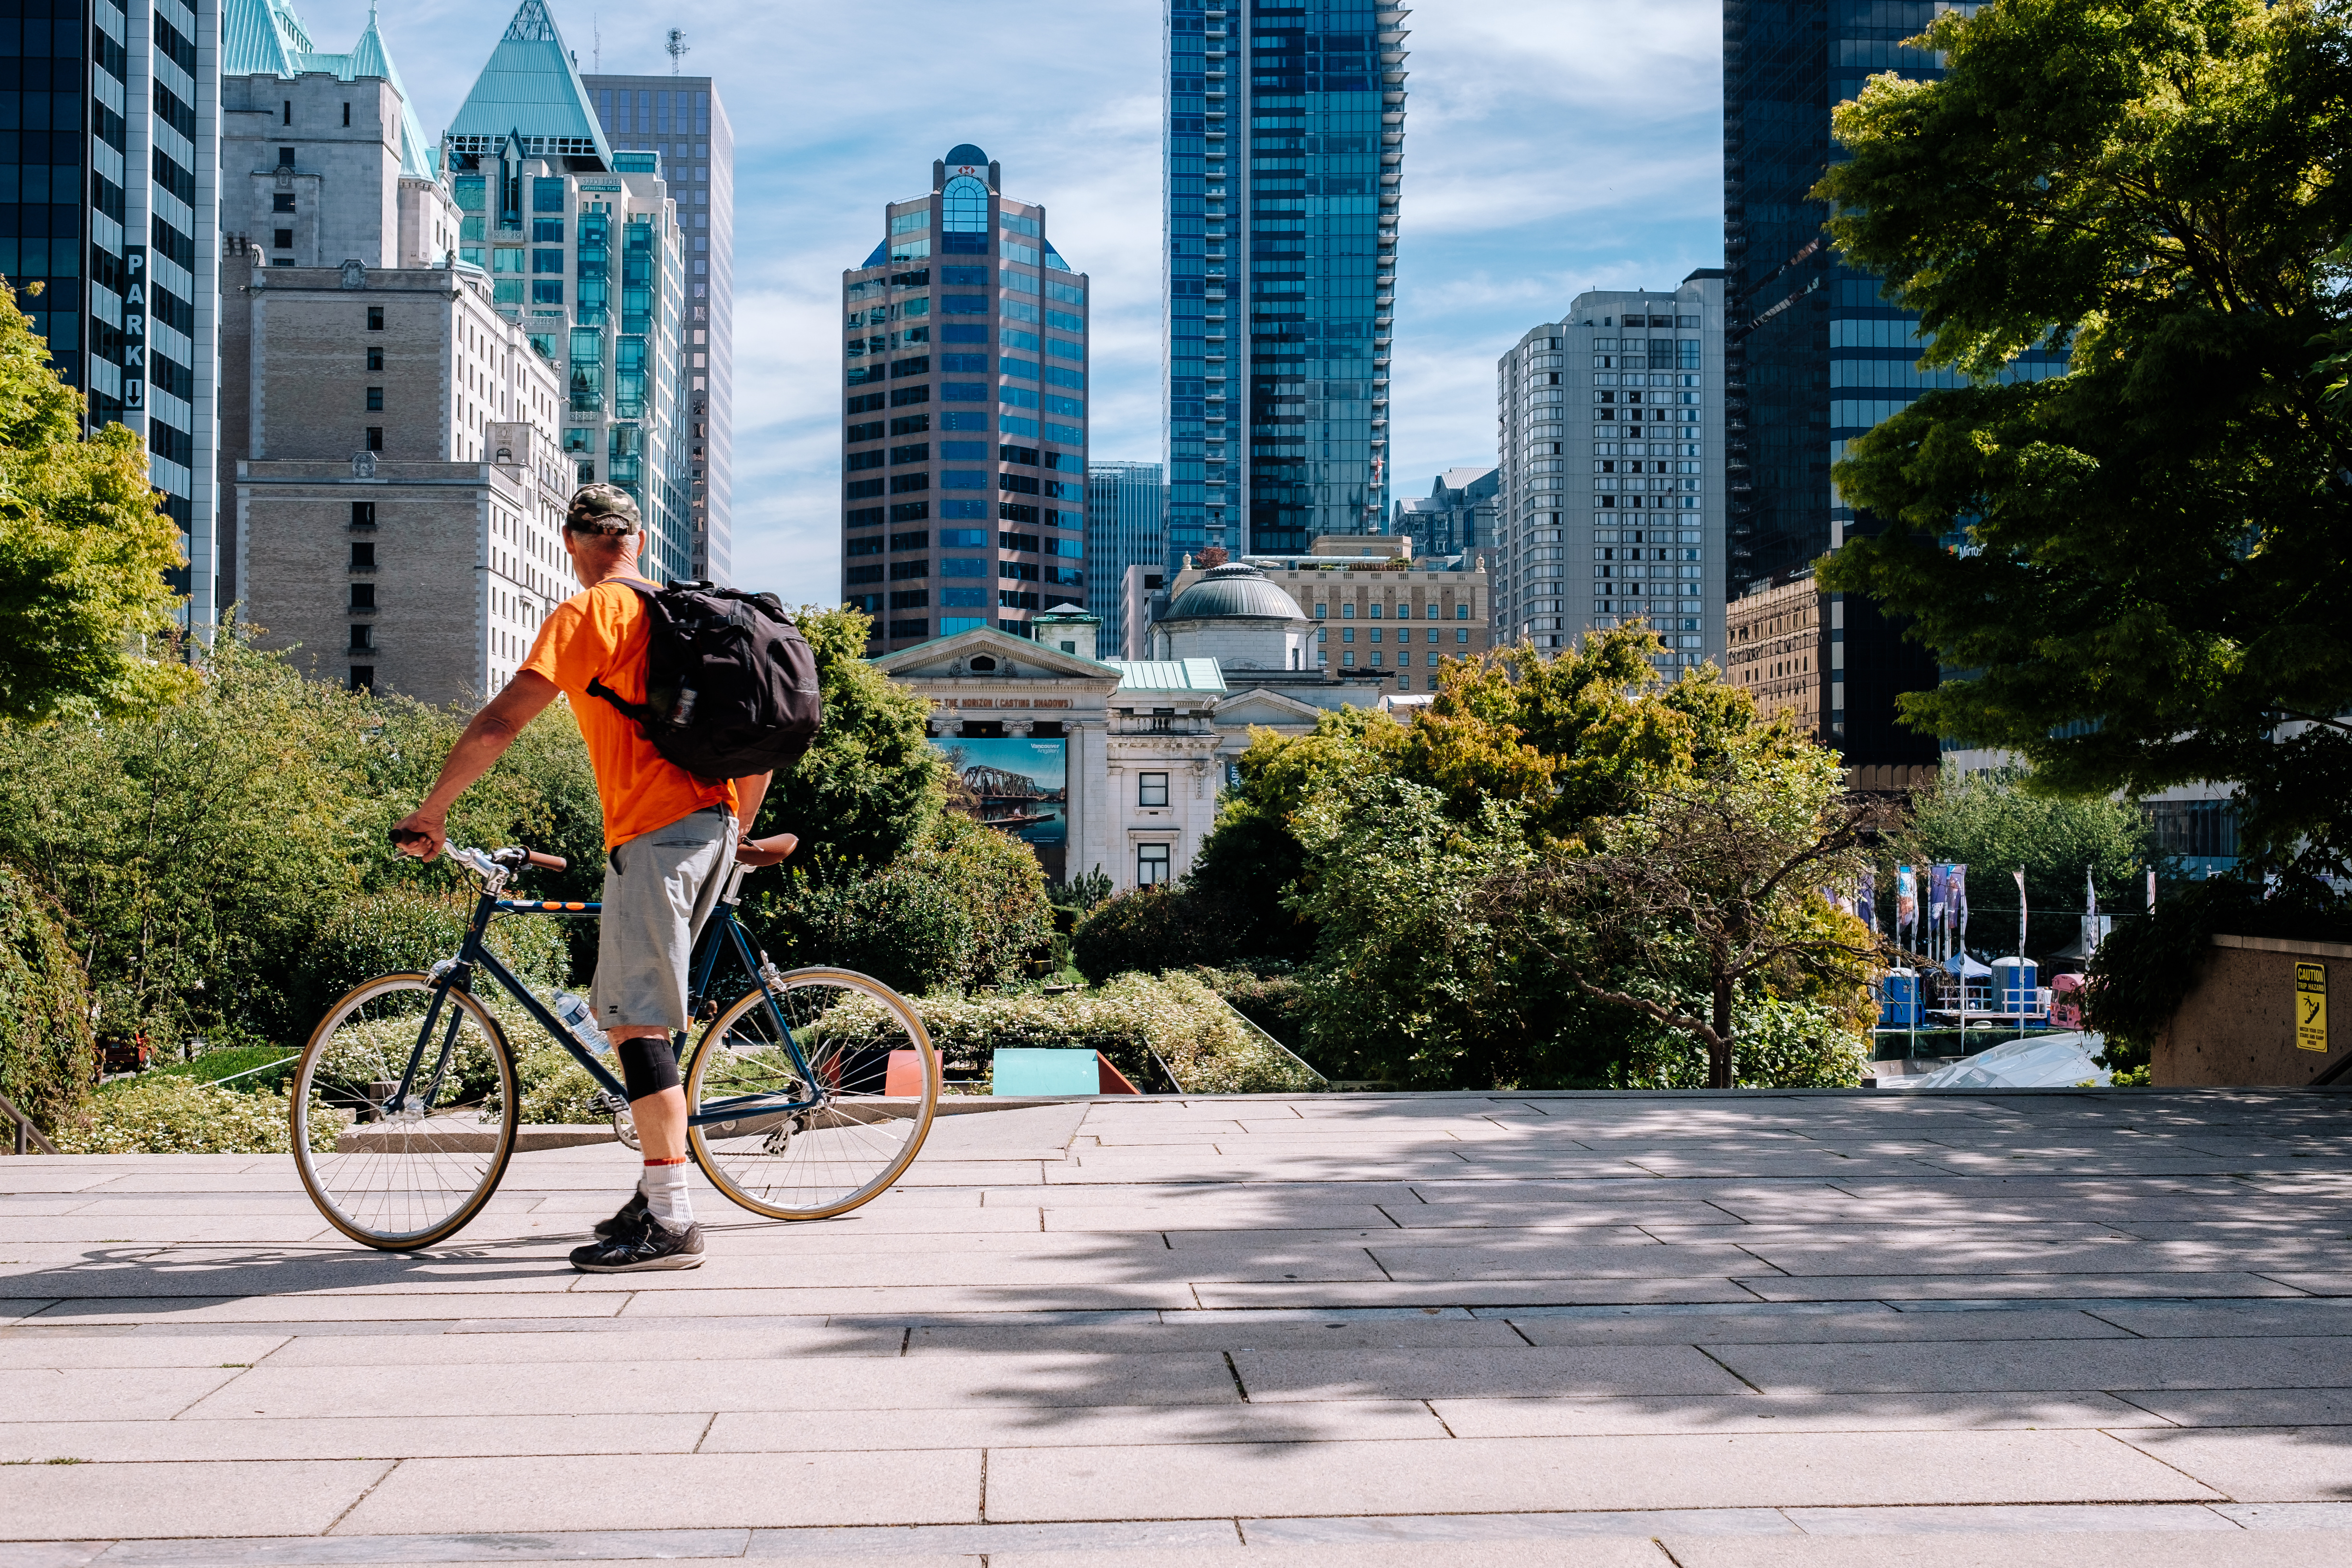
<point x="577" y="1018"/>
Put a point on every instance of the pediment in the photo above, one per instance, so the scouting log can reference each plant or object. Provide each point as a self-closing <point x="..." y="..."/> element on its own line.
<point x="969" y="656"/>
<point x="1256" y="705"/>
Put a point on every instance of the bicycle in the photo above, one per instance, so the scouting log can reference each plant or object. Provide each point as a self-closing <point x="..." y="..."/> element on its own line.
<point x="808" y="1095"/>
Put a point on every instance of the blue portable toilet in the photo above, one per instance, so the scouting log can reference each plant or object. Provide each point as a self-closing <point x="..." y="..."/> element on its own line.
<point x="1898" y="1000"/>
<point x="2014" y="983"/>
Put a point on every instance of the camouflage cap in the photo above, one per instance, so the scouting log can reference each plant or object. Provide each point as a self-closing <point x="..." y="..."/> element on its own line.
<point x="602" y="508"/>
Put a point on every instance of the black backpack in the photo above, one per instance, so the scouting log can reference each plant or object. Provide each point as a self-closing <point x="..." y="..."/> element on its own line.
<point x="731" y="684"/>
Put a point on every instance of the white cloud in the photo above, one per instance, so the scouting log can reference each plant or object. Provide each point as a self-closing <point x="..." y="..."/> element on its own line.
<point x="1551" y="145"/>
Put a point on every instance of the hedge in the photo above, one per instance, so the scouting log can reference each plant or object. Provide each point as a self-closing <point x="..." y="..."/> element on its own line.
<point x="1129" y="1020"/>
<point x="159" y="1113"/>
<point x="49" y="1058"/>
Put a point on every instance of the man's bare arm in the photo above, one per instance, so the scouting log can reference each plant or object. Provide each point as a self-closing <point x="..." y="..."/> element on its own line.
<point x="422" y="832"/>
<point x="749" y="789"/>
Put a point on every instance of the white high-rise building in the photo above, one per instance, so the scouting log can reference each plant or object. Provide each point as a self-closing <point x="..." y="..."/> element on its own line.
<point x="1610" y="424"/>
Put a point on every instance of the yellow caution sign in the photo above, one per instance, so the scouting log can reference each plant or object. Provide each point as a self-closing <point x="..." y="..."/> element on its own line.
<point x="2311" y="1006"/>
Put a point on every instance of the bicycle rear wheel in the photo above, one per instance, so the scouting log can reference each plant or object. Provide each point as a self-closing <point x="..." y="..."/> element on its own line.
<point x="400" y="1172"/>
<point x="862" y="1041"/>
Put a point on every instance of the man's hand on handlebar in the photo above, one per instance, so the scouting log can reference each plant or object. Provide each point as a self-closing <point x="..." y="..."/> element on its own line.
<point x="765" y="851"/>
<point x="420" y="835"/>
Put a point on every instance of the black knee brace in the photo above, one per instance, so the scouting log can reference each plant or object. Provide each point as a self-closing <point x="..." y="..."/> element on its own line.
<point x="648" y="1065"/>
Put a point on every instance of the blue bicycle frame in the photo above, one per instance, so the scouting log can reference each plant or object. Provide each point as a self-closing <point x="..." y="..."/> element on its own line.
<point x="721" y="930"/>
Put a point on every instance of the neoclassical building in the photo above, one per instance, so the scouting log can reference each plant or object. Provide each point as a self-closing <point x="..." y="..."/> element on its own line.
<point x="1109" y="763"/>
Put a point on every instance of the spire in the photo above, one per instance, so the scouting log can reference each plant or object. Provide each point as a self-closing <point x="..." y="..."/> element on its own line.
<point x="530" y="86"/>
<point x="370" y="58"/>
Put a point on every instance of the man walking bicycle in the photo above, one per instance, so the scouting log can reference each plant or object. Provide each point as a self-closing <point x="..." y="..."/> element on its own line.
<point x="669" y="839"/>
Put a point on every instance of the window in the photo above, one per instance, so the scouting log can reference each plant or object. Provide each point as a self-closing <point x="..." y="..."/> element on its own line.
<point x="963" y="539"/>
<point x="963" y="206"/>
<point x="963" y="567"/>
<point x="362" y="595"/>
<point x="859" y="461"/>
<point x="914" y="452"/>
<point x="283" y="238"/>
<point x="963" y="451"/>
<point x="1152" y="790"/>
<point x="362" y="678"/>
<point x="1151" y="864"/>
<point x="546" y="261"/>
<point x="547" y="231"/>
<point x="375" y="399"/>
<point x="362" y="557"/>
<point x="281" y="204"/>
<point x="1460" y="611"/>
<point x="375" y="438"/>
<point x="375" y="359"/>
<point x="375" y="318"/>
<point x="363" y="639"/>
<point x="1462" y="634"/>
<point x="905" y="425"/>
<point x="363" y="516"/>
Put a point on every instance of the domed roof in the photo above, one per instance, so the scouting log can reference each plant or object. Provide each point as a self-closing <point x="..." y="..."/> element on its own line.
<point x="965" y="153"/>
<point x="1233" y="592"/>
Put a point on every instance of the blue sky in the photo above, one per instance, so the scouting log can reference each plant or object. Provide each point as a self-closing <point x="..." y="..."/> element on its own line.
<point x="1551" y="146"/>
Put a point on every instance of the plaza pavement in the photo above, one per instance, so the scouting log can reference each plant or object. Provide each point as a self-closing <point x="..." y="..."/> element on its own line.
<point x="1670" y="1331"/>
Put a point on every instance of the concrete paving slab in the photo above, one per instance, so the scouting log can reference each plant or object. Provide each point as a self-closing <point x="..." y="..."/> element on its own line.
<point x="1732" y="1327"/>
<point x="2276" y="1464"/>
<point x="298" y="1497"/>
<point x="1480" y="1474"/>
<point x="1477" y="1293"/>
<point x="23" y="1349"/>
<point x="326" y="1309"/>
<point x="1971" y="1286"/>
<point x="1034" y="1427"/>
<point x="611" y="1546"/>
<point x="672" y="1492"/>
<point x="1250" y="1331"/>
<point x="1525" y="1418"/>
<point x="113" y="1393"/>
<point x="2121" y="1549"/>
<point x="1986" y="1365"/>
<point x="1452" y="1373"/>
<point x="615" y="1386"/>
<point x="557" y="1346"/>
<point x="2249" y="1406"/>
<point x="352" y="1437"/>
<point x="1601" y="1552"/>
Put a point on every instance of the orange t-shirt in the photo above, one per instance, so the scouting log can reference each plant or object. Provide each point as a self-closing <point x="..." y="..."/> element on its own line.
<point x="600" y="634"/>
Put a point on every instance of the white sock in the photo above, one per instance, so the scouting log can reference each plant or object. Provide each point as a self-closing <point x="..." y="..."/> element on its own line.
<point x="663" y="1186"/>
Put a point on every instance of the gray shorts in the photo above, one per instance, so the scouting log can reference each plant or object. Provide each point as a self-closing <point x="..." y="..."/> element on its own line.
<point x="659" y="887"/>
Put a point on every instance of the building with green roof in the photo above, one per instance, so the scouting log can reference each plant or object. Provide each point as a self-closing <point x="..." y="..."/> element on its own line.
<point x="584" y="249"/>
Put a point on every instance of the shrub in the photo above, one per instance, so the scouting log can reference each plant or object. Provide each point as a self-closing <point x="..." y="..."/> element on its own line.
<point x="1142" y="929"/>
<point x="1276" y="1002"/>
<point x="47" y="1058"/>
<point x="963" y="907"/>
<point x="163" y="1114"/>
<point x="1777" y="1044"/>
<point x="1129" y="1020"/>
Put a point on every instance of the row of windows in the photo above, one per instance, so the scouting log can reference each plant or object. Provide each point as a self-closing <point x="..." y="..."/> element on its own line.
<point x="1404" y="612"/>
<point x="1404" y="633"/>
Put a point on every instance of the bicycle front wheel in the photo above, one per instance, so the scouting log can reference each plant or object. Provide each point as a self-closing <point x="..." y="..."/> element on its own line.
<point x="853" y="1130"/>
<point x="403" y="1112"/>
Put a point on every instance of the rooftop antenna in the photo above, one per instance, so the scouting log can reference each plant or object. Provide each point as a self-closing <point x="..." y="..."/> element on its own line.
<point x="596" y="42"/>
<point x="676" y="48"/>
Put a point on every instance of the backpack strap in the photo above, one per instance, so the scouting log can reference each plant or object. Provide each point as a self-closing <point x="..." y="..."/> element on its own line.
<point x="642" y="713"/>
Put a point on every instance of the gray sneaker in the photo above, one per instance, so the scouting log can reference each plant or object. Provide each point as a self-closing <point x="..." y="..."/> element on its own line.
<point x="648" y="1246"/>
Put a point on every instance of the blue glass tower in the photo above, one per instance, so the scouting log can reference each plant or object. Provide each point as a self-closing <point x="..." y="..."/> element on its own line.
<point x="1284" y="149"/>
<point x="1813" y="354"/>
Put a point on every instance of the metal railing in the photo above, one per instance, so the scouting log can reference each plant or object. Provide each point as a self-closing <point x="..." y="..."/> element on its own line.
<point x="25" y="1133"/>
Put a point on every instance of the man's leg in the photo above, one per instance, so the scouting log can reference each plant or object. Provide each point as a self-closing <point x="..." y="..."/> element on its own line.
<point x="655" y="888"/>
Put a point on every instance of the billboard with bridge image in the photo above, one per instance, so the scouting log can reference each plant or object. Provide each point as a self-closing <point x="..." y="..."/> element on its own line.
<point x="1017" y="784"/>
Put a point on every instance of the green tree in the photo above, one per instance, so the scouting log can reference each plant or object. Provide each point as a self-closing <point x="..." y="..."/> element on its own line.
<point x="84" y="546"/>
<point x="1994" y="824"/>
<point x="2142" y="569"/>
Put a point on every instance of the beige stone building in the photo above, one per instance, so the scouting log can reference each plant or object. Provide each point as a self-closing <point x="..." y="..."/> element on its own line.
<point x="1777" y="646"/>
<point x="398" y="511"/>
<point x="1361" y="614"/>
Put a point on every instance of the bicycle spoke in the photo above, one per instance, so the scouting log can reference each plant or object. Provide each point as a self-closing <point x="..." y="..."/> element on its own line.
<point x="403" y="1171"/>
<point x="804" y="1071"/>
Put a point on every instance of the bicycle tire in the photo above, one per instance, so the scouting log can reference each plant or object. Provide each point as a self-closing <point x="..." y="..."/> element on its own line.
<point x="738" y="1054"/>
<point x="436" y="1184"/>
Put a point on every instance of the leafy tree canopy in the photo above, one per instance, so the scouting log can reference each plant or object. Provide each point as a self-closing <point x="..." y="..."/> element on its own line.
<point x="871" y="782"/>
<point x="2141" y="567"/>
<point x="83" y="549"/>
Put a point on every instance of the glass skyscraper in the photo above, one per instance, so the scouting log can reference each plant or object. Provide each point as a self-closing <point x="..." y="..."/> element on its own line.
<point x="1126" y="505"/>
<point x="109" y="219"/>
<point x="682" y="119"/>
<point x="584" y="249"/>
<point x="1815" y="356"/>
<point x="964" y="410"/>
<point x="1285" y="148"/>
